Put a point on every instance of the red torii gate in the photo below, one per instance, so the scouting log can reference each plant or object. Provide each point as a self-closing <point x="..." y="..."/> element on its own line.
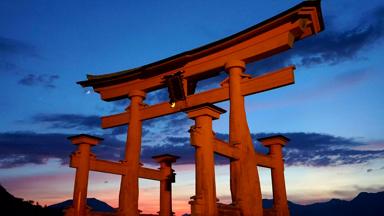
<point x="179" y="74"/>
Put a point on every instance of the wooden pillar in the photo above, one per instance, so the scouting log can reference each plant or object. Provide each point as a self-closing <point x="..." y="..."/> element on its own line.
<point x="275" y="144"/>
<point x="244" y="178"/>
<point x="202" y="138"/>
<point x="166" y="161"/>
<point x="84" y="143"/>
<point x="129" y="188"/>
<point x="234" y="71"/>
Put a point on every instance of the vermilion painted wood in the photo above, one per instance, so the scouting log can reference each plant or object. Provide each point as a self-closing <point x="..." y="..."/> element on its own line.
<point x="257" y="84"/>
<point x="117" y="168"/>
<point x="230" y="54"/>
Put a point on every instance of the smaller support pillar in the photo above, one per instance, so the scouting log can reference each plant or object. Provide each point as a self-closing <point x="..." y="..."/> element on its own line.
<point x="202" y="138"/>
<point x="84" y="143"/>
<point x="165" y="162"/>
<point x="275" y="144"/>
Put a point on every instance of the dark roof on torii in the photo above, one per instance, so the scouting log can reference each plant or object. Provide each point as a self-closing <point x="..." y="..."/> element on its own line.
<point x="183" y="58"/>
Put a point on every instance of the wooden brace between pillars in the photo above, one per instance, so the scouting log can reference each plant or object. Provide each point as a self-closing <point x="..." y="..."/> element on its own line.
<point x="276" y="79"/>
<point x="118" y="168"/>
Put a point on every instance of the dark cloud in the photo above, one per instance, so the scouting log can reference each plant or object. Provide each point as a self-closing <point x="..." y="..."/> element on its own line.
<point x="68" y="121"/>
<point x="178" y="140"/>
<point x="20" y="148"/>
<point x="331" y="46"/>
<point x="119" y="130"/>
<point x="158" y="96"/>
<point x="160" y="129"/>
<point x="313" y="149"/>
<point x="179" y="146"/>
<point x="327" y="157"/>
<point x="120" y="105"/>
<point x="213" y="82"/>
<point x="38" y="148"/>
<point x="44" y="80"/>
<point x="305" y="149"/>
<point x="170" y="125"/>
<point x="184" y="151"/>
<point x="169" y="134"/>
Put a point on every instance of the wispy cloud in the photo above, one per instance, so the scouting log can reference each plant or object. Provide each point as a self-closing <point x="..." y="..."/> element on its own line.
<point x="11" y="50"/>
<point x="152" y="129"/>
<point x="9" y="46"/>
<point x="13" y="53"/>
<point x="154" y="97"/>
<point x="44" y="80"/>
<point x="355" y="189"/>
<point x="68" y="121"/>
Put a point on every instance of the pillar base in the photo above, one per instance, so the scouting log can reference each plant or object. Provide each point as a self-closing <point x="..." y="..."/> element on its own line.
<point x="228" y="209"/>
<point x="172" y="214"/>
<point x="126" y="213"/>
<point x="197" y="206"/>
<point x="71" y="212"/>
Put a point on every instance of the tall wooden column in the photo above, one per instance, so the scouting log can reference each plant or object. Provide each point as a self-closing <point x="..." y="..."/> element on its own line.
<point x="129" y="188"/>
<point x="166" y="161"/>
<point x="84" y="142"/>
<point x="244" y="177"/>
<point x="202" y="138"/>
<point x="275" y="144"/>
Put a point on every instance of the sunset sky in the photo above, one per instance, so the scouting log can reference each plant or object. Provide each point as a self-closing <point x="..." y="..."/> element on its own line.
<point x="333" y="114"/>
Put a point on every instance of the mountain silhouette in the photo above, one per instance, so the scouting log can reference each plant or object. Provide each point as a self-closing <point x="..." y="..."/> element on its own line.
<point x="93" y="203"/>
<point x="367" y="204"/>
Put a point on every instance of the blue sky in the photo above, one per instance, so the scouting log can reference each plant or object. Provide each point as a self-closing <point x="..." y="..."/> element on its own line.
<point x="334" y="108"/>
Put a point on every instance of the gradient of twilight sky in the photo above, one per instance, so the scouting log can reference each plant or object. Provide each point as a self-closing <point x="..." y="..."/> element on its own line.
<point x="333" y="113"/>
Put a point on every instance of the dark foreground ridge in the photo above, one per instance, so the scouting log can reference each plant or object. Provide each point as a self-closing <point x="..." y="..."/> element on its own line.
<point x="367" y="204"/>
<point x="11" y="205"/>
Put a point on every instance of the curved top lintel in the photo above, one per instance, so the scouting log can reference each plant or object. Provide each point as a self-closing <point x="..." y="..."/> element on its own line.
<point x="278" y="29"/>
